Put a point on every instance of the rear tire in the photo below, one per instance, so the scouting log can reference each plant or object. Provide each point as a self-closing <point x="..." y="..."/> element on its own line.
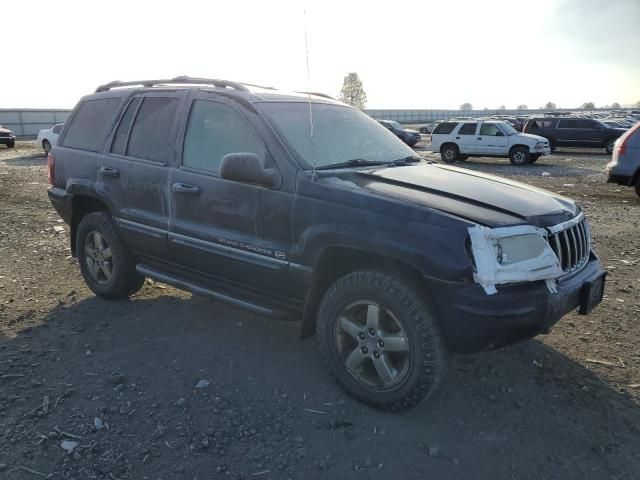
<point x="449" y="153"/>
<point x="519" y="156"/>
<point x="46" y="146"/>
<point x="381" y="341"/>
<point x="107" y="265"/>
<point x="638" y="187"/>
<point x="609" y="146"/>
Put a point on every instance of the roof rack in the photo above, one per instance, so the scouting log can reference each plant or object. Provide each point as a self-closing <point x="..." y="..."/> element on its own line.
<point x="183" y="80"/>
<point x="317" y="94"/>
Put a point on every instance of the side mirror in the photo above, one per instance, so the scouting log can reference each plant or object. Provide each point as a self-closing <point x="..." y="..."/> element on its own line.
<point x="247" y="168"/>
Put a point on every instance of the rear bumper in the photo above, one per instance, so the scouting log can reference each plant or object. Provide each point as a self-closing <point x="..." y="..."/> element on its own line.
<point x="473" y="321"/>
<point x="61" y="201"/>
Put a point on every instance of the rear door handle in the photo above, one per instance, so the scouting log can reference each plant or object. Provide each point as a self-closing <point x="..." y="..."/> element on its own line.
<point x="479" y="138"/>
<point x="184" y="188"/>
<point x="457" y="138"/>
<point x="109" y="172"/>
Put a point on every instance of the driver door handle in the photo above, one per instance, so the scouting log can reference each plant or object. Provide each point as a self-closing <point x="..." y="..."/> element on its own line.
<point x="184" y="188"/>
<point x="109" y="172"/>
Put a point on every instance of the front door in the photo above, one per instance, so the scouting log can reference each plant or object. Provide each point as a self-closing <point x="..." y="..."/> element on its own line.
<point x="491" y="140"/>
<point x="228" y="230"/>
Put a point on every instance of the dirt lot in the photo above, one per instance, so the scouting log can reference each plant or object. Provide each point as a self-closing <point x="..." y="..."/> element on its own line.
<point x="115" y="382"/>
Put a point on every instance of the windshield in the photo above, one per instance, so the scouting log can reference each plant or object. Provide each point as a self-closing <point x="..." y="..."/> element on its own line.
<point x="340" y="134"/>
<point x="508" y="129"/>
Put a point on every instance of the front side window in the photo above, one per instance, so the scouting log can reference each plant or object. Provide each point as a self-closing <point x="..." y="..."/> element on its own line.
<point x="468" y="129"/>
<point x="489" y="130"/>
<point x="90" y="124"/>
<point x="340" y="134"/>
<point x="214" y="130"/>
<point x="149" y="137"/>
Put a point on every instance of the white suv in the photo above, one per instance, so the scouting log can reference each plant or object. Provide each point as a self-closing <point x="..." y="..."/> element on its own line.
<point x="460" y="140"/>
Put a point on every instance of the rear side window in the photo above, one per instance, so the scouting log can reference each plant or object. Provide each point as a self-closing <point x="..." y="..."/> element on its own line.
<point x="120" y="140"/>
<point x="568" y="124"/>
<point x="214" y="130"/>
<point x="151" y="129"/>
<point x="541" y="123"/>
<point x="89" y="126"/>
<point x="444" y="128"/>
<point x="468" y="129"/>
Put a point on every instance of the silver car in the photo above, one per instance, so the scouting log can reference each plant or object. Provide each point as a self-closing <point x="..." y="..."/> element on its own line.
<point x="624" y="168"/>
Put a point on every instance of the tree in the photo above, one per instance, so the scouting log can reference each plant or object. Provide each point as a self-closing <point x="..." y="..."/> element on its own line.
<point x="615" y="105"/>
<point x="550" y="106"/>
<point x="466" y="106"/>
<point x="502" y="107"/>
<point x="352" y="91"/>
<point x="588" y="105"/>
<point x="522" y="106"/>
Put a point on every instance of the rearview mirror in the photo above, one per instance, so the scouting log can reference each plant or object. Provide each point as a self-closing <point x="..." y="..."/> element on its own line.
<point x="247" y="168"/>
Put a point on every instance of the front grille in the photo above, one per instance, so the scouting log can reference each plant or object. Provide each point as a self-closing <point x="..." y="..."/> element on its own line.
<point x="571" y="242"/>
<point x="5" y="134"/>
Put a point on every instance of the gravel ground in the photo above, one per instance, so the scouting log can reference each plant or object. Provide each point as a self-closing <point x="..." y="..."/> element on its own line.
<point x="170" y="386"/>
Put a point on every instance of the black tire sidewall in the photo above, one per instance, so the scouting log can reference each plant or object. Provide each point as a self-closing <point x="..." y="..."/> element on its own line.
<point x="519" y="149"/>
<point x="44" y="146"/>
<point x="449" y="147"/>
<point x="124" y="279"/>
<point x="609" y="146"/>
<point x="428" y="356"/>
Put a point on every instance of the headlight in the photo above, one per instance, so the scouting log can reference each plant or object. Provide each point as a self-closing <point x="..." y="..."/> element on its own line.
<point x="512" y="255"/>
<point x="539" y="145"/>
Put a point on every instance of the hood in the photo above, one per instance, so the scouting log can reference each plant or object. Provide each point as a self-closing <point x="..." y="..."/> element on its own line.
<point x="5" y="130"/>
<point x="483" y="199"/>
<point x="537" y="138"/>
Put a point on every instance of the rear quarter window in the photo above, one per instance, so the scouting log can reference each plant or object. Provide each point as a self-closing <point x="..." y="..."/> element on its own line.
<point x="444" y="128"/>
<point x="91" y="123"/>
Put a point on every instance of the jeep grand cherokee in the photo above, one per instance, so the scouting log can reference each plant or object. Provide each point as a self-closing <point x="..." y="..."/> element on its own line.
<point x="393" y="262"/>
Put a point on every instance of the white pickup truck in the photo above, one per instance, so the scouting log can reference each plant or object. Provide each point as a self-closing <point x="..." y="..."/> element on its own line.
<point x="459" y="140"/>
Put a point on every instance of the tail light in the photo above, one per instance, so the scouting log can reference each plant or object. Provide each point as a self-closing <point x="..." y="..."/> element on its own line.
<point x="51" y="164"/>
<point x="622" y="147"/>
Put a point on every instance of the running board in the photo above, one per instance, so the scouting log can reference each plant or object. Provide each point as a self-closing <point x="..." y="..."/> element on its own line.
<point x="225" y="295"/>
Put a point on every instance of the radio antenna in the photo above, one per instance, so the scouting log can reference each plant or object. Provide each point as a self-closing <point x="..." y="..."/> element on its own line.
<point x="306" y="49"/>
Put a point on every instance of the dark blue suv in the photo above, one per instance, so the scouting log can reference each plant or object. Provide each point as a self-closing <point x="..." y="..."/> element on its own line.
<point x="296" y="205"/>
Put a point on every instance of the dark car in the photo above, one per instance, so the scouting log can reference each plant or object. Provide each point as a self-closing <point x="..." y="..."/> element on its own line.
<point x="408" y="136"/>
<point x="240" y="194"/>
<point x="7" y="137"/>
<point x="574" y="132"/>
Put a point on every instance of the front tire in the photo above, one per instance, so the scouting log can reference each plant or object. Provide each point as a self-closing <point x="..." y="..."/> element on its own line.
<point x="519" y="156"/>
<point x="106" y="264"/>
<point x="449" y="153"/>
<point x="380" y="340"/>
<point x="609" y="146"/>
<point x="11" y="143"/>
<point x="46" y="146"/>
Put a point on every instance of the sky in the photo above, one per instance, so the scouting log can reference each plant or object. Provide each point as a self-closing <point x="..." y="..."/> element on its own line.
<point x="409" y="54"/>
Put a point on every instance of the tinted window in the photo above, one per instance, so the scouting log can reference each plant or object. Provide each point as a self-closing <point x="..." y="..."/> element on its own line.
<point x="151" y="129"/>
<point x="590" y="124"/>
<point x="214" y="130"/>
<point x="120" y="139"/>
<point x="444" y="128"/>
<point x="568" y="124"/>
<point x="468" y="129"/>
<point x="57" y="129"/>
<point x="90" y="125"/>
<point x="489" y="129"/>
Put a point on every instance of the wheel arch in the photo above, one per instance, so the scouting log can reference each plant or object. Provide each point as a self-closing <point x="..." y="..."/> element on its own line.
<point x="81" y="205"/>
<point x="337" y="261"/>
<point x="447" y="143"/>
<point x="513" y="147"/>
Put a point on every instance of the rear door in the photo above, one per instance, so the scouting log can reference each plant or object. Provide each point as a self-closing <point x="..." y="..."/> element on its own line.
<point x="491" y="140"/>
<point x="228" y="230"/>
<point x="134" y="171"/>
<point x="466" y="137"/>
<point x="594" y="133"/>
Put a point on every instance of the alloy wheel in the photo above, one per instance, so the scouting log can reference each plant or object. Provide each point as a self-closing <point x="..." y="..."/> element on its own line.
<point x="373" y="345"/>
<point x="98" y="257"/>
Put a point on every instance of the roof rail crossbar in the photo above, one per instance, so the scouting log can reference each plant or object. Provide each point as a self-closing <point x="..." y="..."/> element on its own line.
<point x="317" y="94"/>
<point x="183" y="80"/>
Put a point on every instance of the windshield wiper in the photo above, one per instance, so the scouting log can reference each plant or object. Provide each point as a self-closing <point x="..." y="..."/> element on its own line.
<point x="355" y="162"/>
<point x="406" y="160"/>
